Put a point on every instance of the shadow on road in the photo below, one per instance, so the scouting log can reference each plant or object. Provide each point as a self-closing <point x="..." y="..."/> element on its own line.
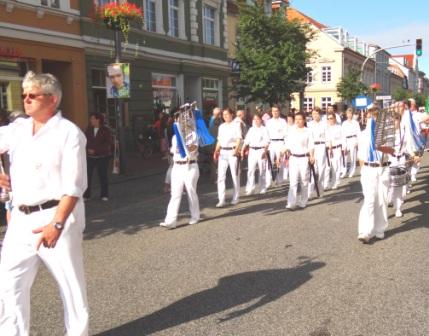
<point x="265" y="286"/>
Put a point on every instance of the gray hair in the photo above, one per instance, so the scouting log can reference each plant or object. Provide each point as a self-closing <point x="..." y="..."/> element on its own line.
<point x="47" y="82"/>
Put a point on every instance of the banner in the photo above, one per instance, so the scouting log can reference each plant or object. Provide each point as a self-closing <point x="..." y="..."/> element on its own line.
<point x="118" y="80"/>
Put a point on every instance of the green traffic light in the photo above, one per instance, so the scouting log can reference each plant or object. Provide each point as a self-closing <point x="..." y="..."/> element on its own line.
<point x="419" y="52"/>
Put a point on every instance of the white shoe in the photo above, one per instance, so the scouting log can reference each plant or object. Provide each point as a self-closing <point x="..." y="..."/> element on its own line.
<point x="220" y="205"/>
<point x="413" y="179"/>
<point x="335" y="187"/>
<point x="379" y="236"/>
<point x="351" y="175"/>
<point x="234" y="202"/>
<point x="364" y="239"/>
<point x="291" y="208"/>
<point x="194" y="221"/>
<point x="301" y="206"/>
<point x="169" y="225"/>
<point x="263" y="191"/>
<point x="398" y="213"/>
<point x="248" y="193"/>
<point x="104" y="199"/>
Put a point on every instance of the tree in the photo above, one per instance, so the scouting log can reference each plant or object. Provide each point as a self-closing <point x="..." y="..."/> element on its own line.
<point x="403" y="94"/>
<point x="351" y="86"/>
<point x="272" y="55"/>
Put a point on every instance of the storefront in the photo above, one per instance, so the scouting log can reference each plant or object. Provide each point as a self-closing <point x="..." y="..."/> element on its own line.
<point x="66" y="63"/>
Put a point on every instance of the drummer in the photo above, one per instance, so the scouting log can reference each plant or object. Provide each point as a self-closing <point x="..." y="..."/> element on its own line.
<point x="398" y="190"/>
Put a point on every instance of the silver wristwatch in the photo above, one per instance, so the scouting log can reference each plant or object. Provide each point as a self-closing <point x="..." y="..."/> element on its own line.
<point x="58" y="225"/>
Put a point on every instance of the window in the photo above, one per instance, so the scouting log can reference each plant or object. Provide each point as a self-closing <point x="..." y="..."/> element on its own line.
<point x="173" y="17"/>
<point x="309" y="77"/>
<point x="150" y="15"/>
<point x="308" y="104"/>
<point x="3" y="95"/>
<point x="210" y="94"/>
<point x="326" y="74"/>
<point x="51" y="3"/>
<point x="209" y="14"/>
<point x="99" y="97"/>
<point x="164" y="90"/>
<point x="325" y="102"/>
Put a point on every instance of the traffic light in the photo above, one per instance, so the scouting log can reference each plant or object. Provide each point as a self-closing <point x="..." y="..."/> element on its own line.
<point x="419" y="50"/>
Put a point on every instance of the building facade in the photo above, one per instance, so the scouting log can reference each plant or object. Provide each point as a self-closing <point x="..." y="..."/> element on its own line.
<point x="43" y="35"/>
<point x="178" y="55"/>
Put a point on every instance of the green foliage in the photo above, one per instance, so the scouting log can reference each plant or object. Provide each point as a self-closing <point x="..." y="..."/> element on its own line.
<point x="351" y="86"/>
<point x="403" y="94"/>
<point x="272" y="55"/>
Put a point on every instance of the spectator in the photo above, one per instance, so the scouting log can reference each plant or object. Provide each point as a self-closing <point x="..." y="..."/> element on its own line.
<point x="98" y="151"/>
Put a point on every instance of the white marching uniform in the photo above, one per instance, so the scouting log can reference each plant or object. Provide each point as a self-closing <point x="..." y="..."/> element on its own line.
<point x="375" y="182"/>
<point x="318" y="130"/>
<point x="418" y="117"/>
<point x="44" y="167"/>
<point x="335" y="140"/>
<point x="277" y="130"/>
<point x="396" y="194"/>
<point x="184" y="174"/>
<point x="228" y="135"/>
<point x="350" y="131"/>
<point x="300" y="143"/>
<point x="257" y="139"/>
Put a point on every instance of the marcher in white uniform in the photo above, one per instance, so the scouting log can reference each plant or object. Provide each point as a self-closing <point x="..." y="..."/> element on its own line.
<point x="48" y="178"/>
<point x="335" y="144"/>
<point x="375" y="184"/>
<point x="397" y="194"/>
<point x="277" y="131"/>
<point x="300" y="148"/>
<point x="184" y="174"/>
<point x="257" y="140"/>
<point x="226" y="153"/>
<point x="350" y="131"/>
<point x="318" y="130"/>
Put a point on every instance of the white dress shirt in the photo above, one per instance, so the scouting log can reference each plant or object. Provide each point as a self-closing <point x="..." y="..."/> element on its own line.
<point x="300" y="141"/>
<point x="277" y="128"/>
<point x="47" y="165"/>
<point x="257" y="137"/>
<point x="228" y="134"/>
<point x="350" y="128"/>
<point x="318" y="129"/>
<point x="334" y="136"/>
<point x="176" y="154"/>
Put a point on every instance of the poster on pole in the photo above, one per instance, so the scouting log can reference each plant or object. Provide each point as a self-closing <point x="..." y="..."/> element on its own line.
<point x="118" y="80"/>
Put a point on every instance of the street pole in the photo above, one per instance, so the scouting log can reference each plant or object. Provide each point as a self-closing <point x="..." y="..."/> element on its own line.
<point x="119" y="107"/>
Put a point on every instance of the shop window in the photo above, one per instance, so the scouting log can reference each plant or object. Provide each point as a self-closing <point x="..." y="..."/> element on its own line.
<point x="165" y="97"/>
<point x="210" y="94"/>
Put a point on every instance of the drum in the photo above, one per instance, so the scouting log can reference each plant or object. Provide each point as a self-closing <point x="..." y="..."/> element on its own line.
<point x="398" y="176"/>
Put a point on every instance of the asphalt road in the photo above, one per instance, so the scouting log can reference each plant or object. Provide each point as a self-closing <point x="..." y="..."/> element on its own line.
<point x="251" y="269"/>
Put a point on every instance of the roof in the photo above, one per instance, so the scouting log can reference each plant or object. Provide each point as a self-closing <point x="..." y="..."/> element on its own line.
<point x="294" y="14"/>
<point x="396" y="69"/>
<point x="408" y="60"/>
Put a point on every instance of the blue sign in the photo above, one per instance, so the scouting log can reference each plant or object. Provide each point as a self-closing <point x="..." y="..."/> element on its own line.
<point x="361" y="101"/>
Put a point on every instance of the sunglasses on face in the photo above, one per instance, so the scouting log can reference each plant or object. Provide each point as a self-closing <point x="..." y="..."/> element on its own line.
<point x="33" y="95"/>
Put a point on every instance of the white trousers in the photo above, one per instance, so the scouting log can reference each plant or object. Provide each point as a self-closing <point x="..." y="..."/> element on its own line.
<point x="19" y="264"/>
<point x="298" y="172"/>
<point x="351" y="157"/>
<point x="226" y="159"/>
<point x="183" y="176"/>
<point x="254" y="161"/>
<point x="320" y="166"/>
<point x="274" y="149"/>
<point x="373" y="214"/>
<point x="414" y="170"/>
<point x="336" y="164"/>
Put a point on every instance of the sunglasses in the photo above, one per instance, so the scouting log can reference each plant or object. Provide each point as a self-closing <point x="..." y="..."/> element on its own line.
<point x="33" y="95"/>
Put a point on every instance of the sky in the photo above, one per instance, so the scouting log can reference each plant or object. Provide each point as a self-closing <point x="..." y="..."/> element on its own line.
<point x="383" y="22"/>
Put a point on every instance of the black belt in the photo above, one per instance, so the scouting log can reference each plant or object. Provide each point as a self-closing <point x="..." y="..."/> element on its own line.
<point x="337" y="146"/>
<point x="351" y="136"/>
<point x="227" y="148"/>
<point x="257" y="147"/>
<point x="28" y="209"/>
<point x="319" y="142"/>
<point x="376" y="164"/>
<point x="399" y="156"/>
<point x="185" y="162"/>
<point x="277" y="139"/>
<point x="301" y="155"/>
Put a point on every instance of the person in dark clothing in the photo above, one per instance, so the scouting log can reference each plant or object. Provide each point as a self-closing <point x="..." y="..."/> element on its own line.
<point x="98" y="151"/>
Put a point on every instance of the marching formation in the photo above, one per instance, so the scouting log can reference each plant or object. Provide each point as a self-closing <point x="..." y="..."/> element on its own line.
<point x="312" y="153"/>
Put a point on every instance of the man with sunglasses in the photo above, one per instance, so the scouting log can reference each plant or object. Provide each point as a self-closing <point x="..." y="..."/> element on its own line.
<point x="48" y="178"/>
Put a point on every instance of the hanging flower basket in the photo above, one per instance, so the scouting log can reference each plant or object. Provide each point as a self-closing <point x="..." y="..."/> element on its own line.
<point x="375" y="87"/>
<point x="117" y="16"/>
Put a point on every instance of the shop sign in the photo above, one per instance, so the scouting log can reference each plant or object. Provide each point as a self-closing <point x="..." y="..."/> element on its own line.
<point x="10" y="52"/>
